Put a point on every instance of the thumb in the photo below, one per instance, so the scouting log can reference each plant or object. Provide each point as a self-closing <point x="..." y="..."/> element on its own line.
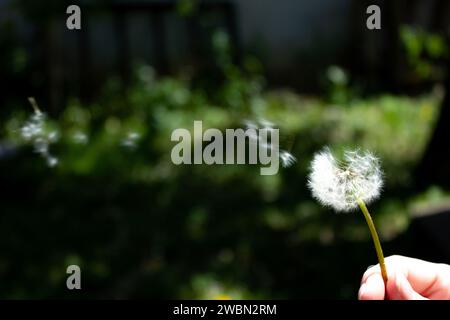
<point x="399" y="288"/>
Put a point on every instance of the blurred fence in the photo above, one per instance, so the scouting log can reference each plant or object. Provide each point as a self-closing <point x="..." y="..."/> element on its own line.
<point x="174" y="35"/>
<point x="113" y="37"/>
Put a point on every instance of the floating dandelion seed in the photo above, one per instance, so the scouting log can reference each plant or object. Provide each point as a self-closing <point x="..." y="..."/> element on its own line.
<point x="287" y="159"/>
<point x="131" y="139"/>
<point x="34" y="131"/>
<point x="348" y="184"/>
<point x="52" y="161"/>
<point x="80" y="137"/>
<point x="266" y="123"/>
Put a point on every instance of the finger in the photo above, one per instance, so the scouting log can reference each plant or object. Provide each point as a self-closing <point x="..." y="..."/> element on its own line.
<point x="362" y="292"/>
<point x="399" y="288"/>
<point x="370" y="271"/>
<point x="373" y="270"/>
<point x="424" y="277"/>
<point x="373" y="288"/>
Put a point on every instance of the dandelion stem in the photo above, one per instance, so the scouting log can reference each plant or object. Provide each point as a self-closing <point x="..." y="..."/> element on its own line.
<point x="376" y="240"/>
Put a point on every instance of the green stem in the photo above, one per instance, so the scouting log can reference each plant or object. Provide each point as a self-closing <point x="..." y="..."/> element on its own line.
<point x="376" y="240"/>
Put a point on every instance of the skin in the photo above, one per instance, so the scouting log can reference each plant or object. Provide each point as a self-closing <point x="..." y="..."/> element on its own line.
<point x="408" y="279"/>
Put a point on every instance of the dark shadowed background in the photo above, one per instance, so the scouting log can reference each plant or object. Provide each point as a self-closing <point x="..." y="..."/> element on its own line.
<point x="99" y="189"/>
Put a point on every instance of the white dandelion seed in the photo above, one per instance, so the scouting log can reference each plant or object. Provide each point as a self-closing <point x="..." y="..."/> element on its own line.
<point x="80" y="137"/>
<point x="131" y="139"/>
<point x="341" y="184"/>
<point x="52" y="161"/>
<point x="53" y="136"/>
<point x="287" y="159"/>
<point x="34" y="131"/>
<point x="266" y="123"/>
<point x="34" y="127"/>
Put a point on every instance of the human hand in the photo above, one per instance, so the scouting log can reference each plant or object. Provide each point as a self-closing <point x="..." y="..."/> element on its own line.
<point x="408" y="279"/>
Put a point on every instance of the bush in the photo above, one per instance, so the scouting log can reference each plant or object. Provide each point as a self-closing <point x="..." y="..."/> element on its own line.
<point x="140" y="226"/>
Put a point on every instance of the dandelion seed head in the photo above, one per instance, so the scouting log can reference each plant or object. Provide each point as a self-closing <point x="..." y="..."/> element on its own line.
<point x="339" y="184"/>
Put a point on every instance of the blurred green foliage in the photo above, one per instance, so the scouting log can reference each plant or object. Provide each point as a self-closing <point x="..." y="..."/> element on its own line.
<point x="425" y="53"/>
<point x="140" y="226"/>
